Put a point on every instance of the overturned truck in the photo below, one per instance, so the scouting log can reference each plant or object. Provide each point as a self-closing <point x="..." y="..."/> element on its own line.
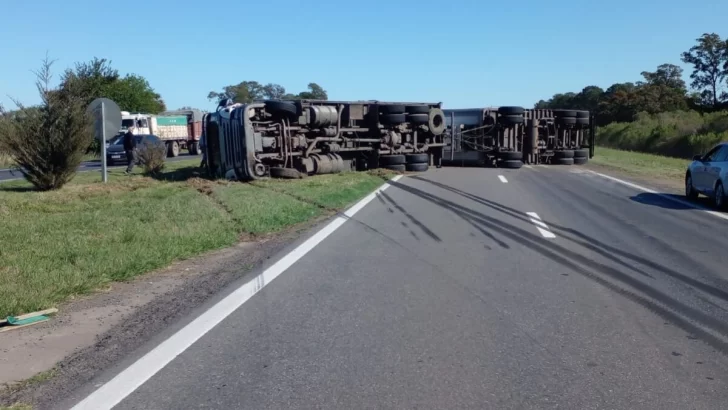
<point x="292" y="139"/>
<point x="508" y="137"/>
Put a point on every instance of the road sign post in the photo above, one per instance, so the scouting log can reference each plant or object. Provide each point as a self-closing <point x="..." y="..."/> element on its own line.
<point x="107" y="116"/>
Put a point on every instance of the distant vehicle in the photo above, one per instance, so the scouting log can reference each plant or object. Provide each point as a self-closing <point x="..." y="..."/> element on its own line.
<point x="115" y="152"/>
<point x="179" y="129"/>
<point x="708" y="175"/>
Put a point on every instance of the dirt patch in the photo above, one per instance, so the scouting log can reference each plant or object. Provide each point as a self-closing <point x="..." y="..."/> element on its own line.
<point x="91" y="334"/>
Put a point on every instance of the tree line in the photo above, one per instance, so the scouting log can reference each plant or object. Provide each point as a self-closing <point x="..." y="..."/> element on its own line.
<point x="249" y="91"/>
<point x="662" y="90"/>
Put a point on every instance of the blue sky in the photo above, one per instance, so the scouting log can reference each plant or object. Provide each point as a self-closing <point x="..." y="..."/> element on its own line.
<point x="462" y="53"/>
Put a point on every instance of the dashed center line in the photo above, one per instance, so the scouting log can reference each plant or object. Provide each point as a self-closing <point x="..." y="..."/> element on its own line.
<point x="503" y="179"/>
<point x="543" y="229"/>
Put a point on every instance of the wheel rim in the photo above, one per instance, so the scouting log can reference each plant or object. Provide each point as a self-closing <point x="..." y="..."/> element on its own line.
<point x="688" y="186"/>
<point x="719" y="196"/>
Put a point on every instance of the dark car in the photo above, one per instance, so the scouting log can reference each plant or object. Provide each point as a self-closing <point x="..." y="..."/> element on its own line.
<point x="115" y="151"/>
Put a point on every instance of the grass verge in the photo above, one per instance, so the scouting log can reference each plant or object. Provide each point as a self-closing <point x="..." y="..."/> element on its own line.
<point x="648" y="166"/>
<point x="75" y="240"/>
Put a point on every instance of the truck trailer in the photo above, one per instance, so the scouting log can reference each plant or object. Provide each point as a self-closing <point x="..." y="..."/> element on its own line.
<point x="292" y="139"/>
<point x="179" y="129"/>
<point x="508" y="137"/>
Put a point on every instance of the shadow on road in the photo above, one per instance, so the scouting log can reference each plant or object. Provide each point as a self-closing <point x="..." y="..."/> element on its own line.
<point x="611" y="278"/>
<point x="670" y="201"/>
<point x="180" y="174"/>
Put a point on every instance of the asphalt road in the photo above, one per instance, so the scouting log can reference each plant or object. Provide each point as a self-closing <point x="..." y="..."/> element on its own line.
<point x="8" y="174"/>
<point x="443" y="293"/>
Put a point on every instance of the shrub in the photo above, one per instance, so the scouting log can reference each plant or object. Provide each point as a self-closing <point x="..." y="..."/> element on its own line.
<point x="151" y="156"/>
<point x="47" y="142"/>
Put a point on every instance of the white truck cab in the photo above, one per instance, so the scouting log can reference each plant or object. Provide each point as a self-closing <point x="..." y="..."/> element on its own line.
<point x="142" y="123"/>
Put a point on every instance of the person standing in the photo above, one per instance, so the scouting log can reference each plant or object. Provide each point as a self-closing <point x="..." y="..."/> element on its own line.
<point x="129" y="148"/>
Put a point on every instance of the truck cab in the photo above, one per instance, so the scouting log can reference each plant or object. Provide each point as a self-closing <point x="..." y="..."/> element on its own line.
<point x="142" y="123"/>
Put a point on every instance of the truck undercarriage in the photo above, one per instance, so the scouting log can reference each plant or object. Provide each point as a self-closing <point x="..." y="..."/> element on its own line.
<point x="291" y="139"/>
<point x="508" y="137"/>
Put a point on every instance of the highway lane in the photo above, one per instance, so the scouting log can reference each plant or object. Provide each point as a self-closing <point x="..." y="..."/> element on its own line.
<point x="444" y="293"/>
<point x="9" y="174"/>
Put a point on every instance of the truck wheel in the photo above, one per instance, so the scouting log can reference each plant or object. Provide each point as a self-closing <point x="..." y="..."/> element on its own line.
<point x="511" y="164"/>
<point x="172" y="149"/>
<point x="417" y="158"/>
<point x="386" y="160"/>
<point x="194" y="148"/>
<point x="511" y="119"/>
<point x="397" y="167"/>
<point x="567" y="153"/>
<point x="285" y="173"/>
<point x="582" y="114"/>
<point x="511" y="110"/>
<point x="437" y="121"/>
<point x="566" y="120"/>
<point x="392" y="119"/>
<point x="510" y="156"/>
<point x="582" y="121"/>
<point x="564" y="113"/>
<point x="581" y="153"/>
<point x="416" y="167"/>
<point x="282" y="108"/>
<point x="417" y="109"/>
<point x="392" y="109"/>
<point x="564" y="161"/>
<point x="418" y="118"/>
<point x="581" y="160"/>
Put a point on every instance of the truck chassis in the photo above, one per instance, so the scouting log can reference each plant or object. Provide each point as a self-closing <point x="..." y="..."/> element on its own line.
<point x="508" y="137"/>
<point x="293" y="139"/>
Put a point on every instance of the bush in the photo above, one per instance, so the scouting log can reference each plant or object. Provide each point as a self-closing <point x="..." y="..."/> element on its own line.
<point x="47" y="142"/>
<point x="679" y="134"/>
<point x="151" y="157"/>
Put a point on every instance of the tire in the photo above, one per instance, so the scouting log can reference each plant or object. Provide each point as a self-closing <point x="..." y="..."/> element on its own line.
<point x="194" y="148"/>
<point x="511" y="119"/>
<point x="582" y="114"/>
<point x="510" y="164"/>
<point x="564" y="113"/>
<point x="581" y="153"/>
<point x="418" y="118"/>
<point x="282" y="108"/>
<point x="582" y="121"/>
<point x="417" y="158"/>
<point x="417" y="167"/>
<point x="386" y="160"/>
<point x="564" y="161"/>
<point x="511" y="111"/>
<point x="172" y="149"/>
<point x="567" y="153"/>
<point x="581" y="160"/>
<point x="392" y="119"/>
<point x="566" y="120"/>
<point x="392" y="109"/>
<point x="436" y="121"/>
<point x="719" y="198"/>
<point x="397" y="167"/>
<point x="417" y="109"/>
<point x="690" y="192"/>
<point x="285" y="173"/>
<point x="510" y="156"/>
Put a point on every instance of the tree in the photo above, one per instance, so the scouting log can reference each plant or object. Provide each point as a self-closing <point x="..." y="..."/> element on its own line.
<point x="48" y="141"/>
<point x="315" y="92"/>
<point x="96" y="78"/>
<point x="668" y="75"/>
<point x="709" y="59"/>
<point x="662" y="90"/>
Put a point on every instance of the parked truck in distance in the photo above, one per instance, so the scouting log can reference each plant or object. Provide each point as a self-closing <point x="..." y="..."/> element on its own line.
<point x="291" y="139"/>
<point x="179" y="129"/>
<point x="508" y="137"/>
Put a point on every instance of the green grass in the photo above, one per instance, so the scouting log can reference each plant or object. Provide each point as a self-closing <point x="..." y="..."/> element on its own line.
<point x="75" y="240"/>
<point x="641" y="164"/>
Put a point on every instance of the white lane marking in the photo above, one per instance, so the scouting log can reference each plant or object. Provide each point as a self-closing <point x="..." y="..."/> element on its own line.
<point x="668" y="197"/>
<point x="124" y="383"/>
<point x="528" y="166"/>
<point x="503" y="179"/>
<point x="543" y="229"/>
